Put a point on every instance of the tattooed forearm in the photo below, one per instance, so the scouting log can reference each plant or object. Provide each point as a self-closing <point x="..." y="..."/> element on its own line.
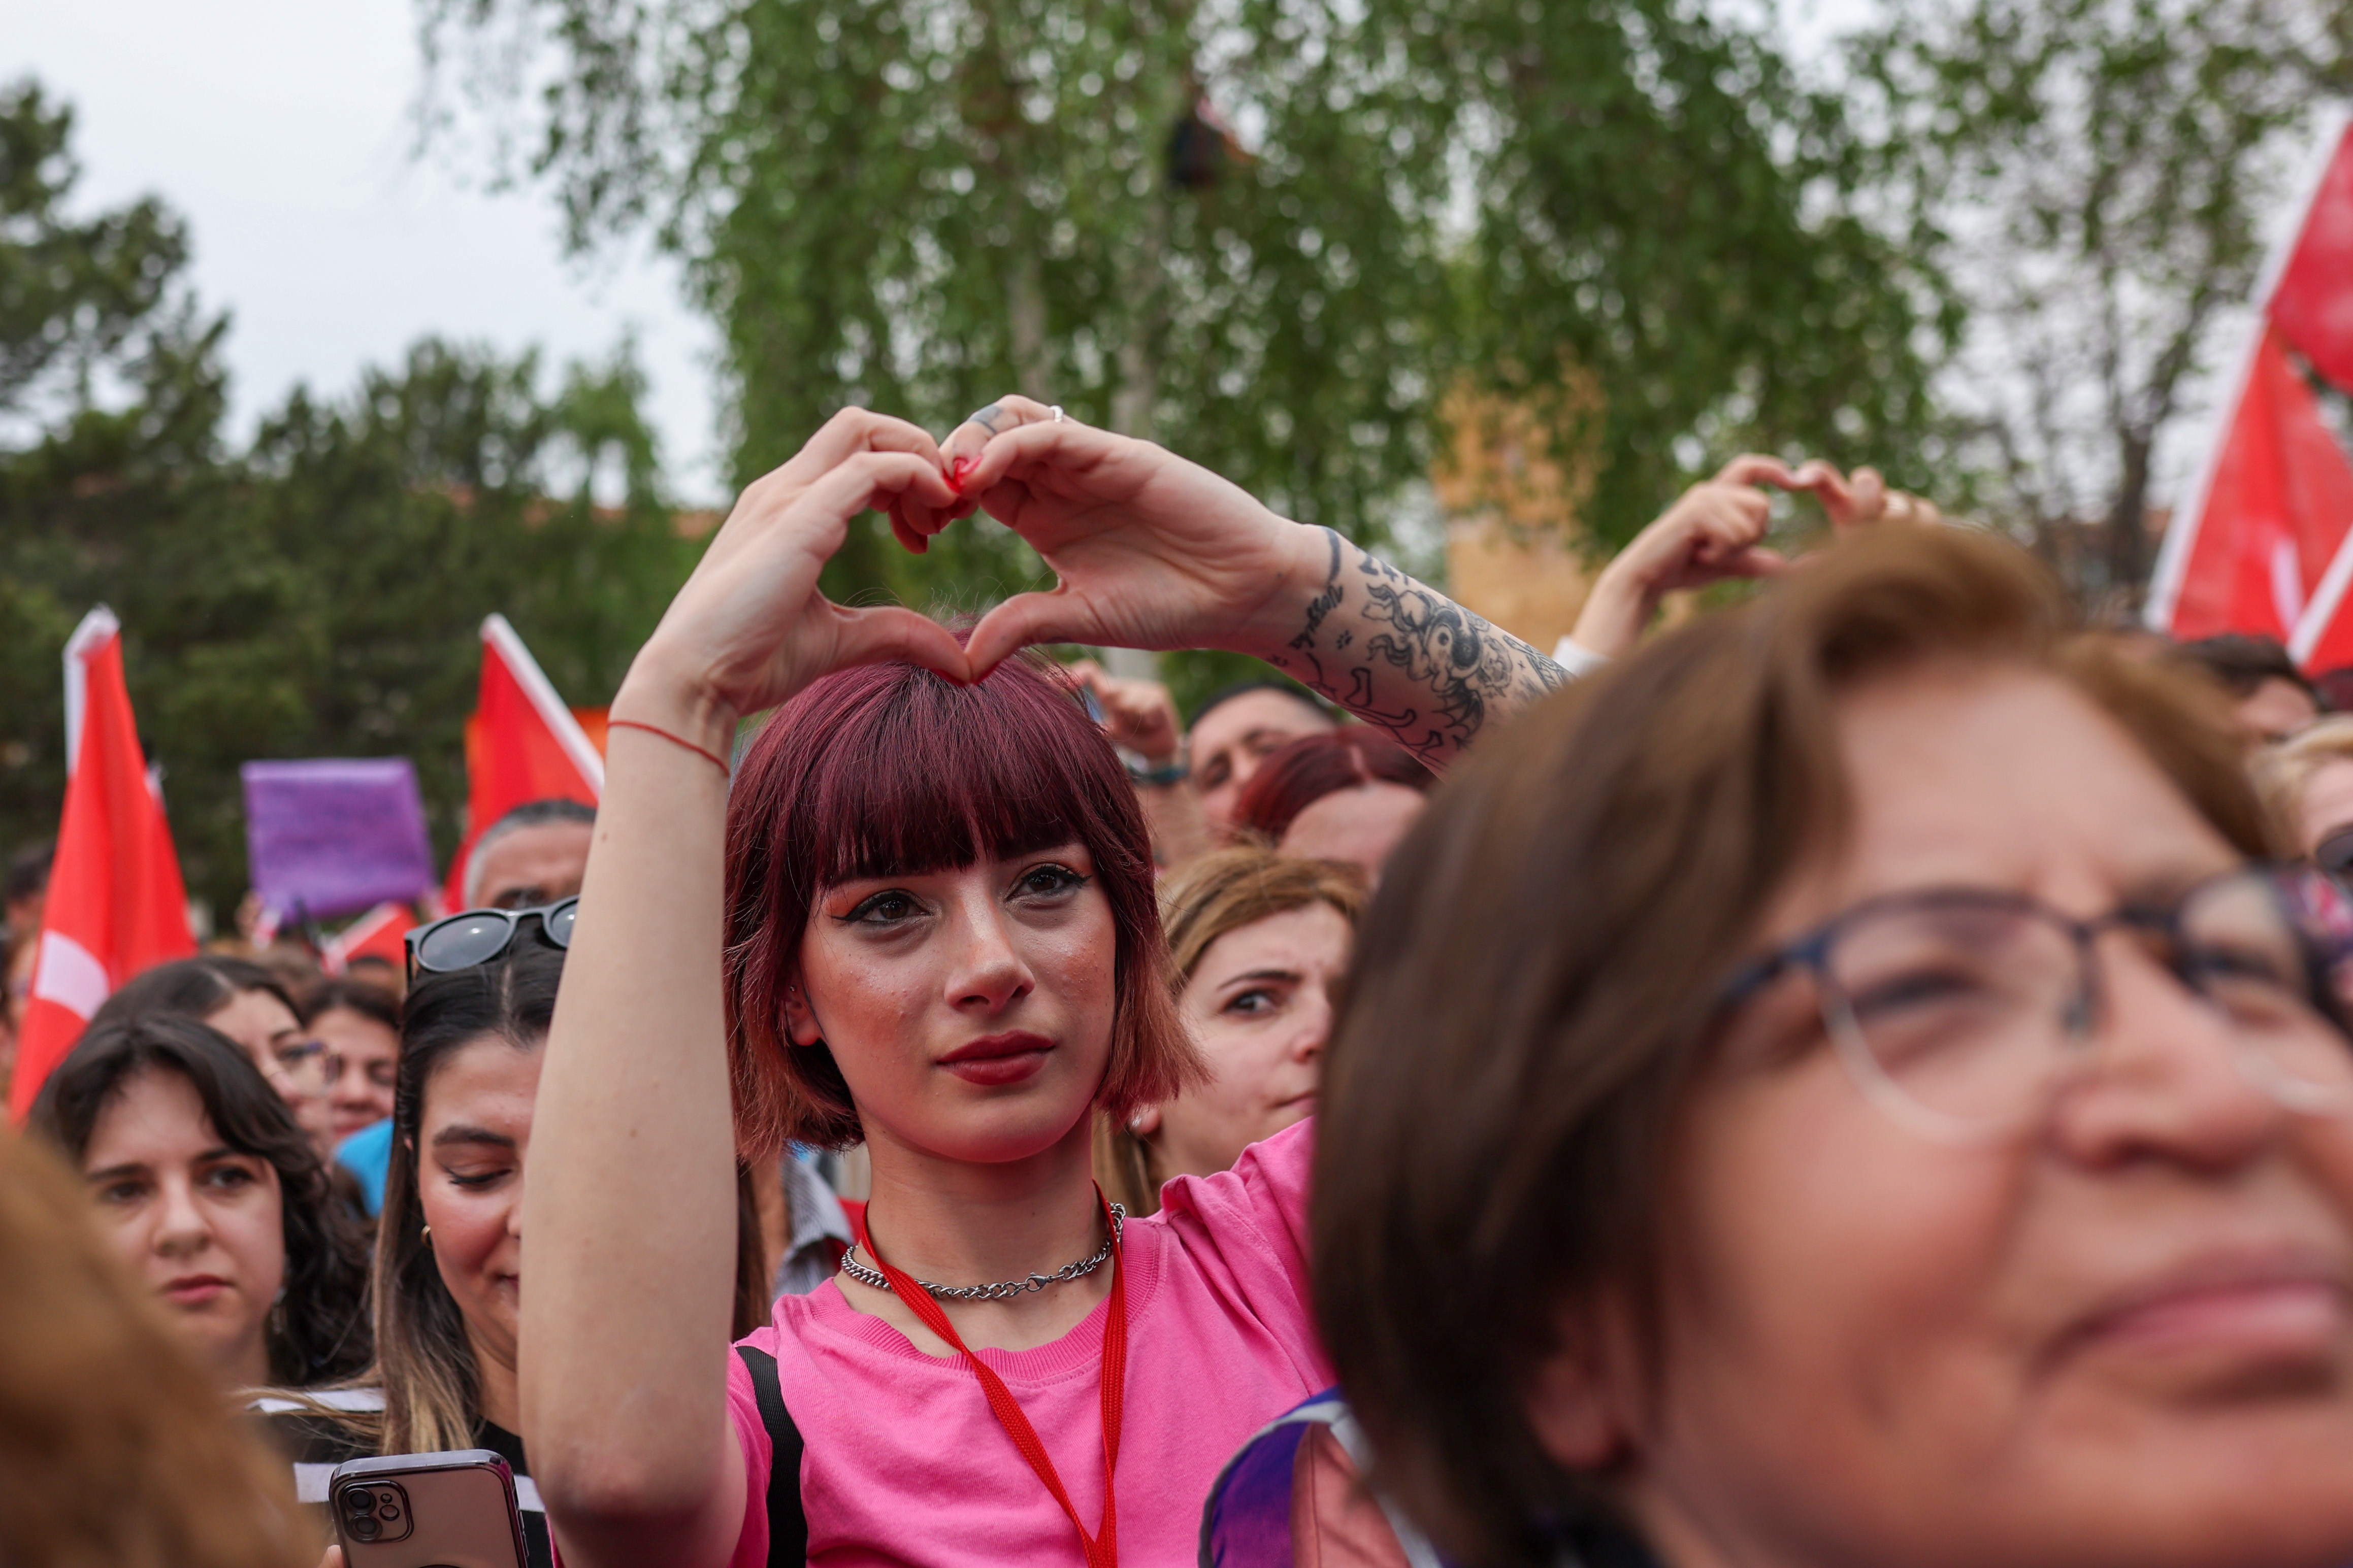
<point x="1410" y="660"/>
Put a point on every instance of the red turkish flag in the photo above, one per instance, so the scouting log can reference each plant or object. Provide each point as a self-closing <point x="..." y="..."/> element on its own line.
<point x="116" y="904"/>
<point x="522" y="744"/>
<point x="2275" y="511"/>
<point x="2312" y="304"/>
<point x="2264" y="544"/>
<point x="382" y="932"/>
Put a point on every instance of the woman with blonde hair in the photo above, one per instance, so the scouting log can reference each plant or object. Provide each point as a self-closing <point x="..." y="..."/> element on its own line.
<point x="1258" y="943"/>
<point x="2307" y="782"/>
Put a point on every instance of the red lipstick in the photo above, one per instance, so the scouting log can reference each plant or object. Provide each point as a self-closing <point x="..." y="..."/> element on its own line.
<point x="995" y="1060"/>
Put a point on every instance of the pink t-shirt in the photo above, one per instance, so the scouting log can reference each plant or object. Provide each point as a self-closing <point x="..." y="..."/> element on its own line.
<point x="904" y="1463"/>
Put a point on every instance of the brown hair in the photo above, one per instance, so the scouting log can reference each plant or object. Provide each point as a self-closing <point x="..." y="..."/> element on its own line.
<point x="1219" y="892"/>
<point x="116" y="1449"/>
<point x="1531" y="1003"/>
<point x="889" y="770"/>
<point x="344" y="994"/>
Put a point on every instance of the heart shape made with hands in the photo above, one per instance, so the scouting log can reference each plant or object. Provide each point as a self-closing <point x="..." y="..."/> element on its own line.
<point x="1148" y="550"/>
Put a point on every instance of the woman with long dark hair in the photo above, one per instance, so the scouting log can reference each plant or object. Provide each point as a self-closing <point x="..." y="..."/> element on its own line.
<point x="214" y="1195"/>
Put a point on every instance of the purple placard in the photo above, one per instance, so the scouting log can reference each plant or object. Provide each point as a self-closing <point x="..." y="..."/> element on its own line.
<point x="331" y="836"/>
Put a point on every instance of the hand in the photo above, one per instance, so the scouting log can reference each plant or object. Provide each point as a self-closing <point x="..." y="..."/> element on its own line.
<point x="751" y="628"/>
<point x="1137" y="714"/>
<point x="1866" y="500"/>
<point x="1151" y="552"/>
<point x="1712" y="532"/>
<point x="334" y="1559"/>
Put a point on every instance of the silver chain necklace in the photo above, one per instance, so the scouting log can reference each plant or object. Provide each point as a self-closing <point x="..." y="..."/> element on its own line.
<point x="1005" y="1290"/>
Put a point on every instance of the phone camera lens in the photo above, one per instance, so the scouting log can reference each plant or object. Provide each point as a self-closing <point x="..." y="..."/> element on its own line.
<point x="365" y="1528"/>
<point x="359" y="1500"/>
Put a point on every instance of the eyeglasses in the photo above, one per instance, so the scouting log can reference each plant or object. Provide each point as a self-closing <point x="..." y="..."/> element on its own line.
<point x="478" y="936"/>
<point x="2334" y="855"/>
<point x="1960" y="1011"/>
<point x="308" y="1065"/>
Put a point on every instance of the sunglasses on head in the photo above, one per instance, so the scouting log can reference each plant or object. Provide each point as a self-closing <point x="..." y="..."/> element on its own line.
<point x="478" y="936"/>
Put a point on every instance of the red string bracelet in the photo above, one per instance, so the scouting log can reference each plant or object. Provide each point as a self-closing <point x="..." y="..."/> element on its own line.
<point x="713" y="758"/>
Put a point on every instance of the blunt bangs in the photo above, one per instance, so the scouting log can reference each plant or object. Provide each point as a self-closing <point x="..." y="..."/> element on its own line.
<point x="889" y="770"/>
<point x="923" y="775"/>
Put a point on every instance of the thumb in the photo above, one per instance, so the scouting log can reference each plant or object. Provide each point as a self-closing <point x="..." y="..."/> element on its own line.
<point x="887" y="632"/>
<point x="1021" y="621"/>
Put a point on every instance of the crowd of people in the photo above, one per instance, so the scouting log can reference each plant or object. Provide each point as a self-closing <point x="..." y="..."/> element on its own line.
<point x="1861" y="1076"/>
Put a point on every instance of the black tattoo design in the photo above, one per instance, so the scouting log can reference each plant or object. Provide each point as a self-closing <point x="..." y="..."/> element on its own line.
<point x="1467" y="667"/>
<point x="988" y="417"/>
<point x="1322" y="604"/>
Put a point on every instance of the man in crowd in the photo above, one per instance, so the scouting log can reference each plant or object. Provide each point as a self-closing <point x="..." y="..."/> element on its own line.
<point x="1190" y="782"/>
<point x="533" y="854"/>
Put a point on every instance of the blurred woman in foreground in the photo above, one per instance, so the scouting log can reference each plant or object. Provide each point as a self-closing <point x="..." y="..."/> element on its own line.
<point x="1259" y="942"/>
<point x="1846" y="1088"/>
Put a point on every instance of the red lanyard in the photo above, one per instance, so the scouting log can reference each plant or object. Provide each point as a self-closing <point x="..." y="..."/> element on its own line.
<point x="1103" y="1549"/>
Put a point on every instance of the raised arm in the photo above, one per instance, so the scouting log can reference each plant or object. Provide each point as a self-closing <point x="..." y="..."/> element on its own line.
<point x="1154" y="551"/>
<point x="630" y="1203"/>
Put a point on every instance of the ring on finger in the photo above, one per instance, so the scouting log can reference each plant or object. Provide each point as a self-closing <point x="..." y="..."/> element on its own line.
<point x="1057" y="411"/>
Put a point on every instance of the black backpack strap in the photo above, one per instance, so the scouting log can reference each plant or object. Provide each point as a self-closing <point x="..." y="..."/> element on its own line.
<point x="788" y="1525"/>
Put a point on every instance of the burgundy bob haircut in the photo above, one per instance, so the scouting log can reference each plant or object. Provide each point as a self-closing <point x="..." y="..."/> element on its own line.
<point x="1302" y="773"/>
<point x="889" y="770"/>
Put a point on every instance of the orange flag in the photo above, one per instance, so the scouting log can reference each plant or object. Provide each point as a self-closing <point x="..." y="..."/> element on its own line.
<point x="116" y="903"/>
<point x="522" y="744"/>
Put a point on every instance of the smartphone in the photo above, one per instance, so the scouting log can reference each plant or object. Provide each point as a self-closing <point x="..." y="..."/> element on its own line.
<point x="427" y="1511"/>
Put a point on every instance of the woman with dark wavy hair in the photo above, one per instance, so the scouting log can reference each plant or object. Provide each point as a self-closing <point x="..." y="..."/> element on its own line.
<point x="214" y="1196"/>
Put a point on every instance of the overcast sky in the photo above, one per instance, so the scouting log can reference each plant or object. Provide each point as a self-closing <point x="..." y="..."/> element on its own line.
<point x="281" y="130"/>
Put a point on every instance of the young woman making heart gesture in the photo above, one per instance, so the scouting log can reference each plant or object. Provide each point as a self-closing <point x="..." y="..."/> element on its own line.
<point x="924" y="921"/>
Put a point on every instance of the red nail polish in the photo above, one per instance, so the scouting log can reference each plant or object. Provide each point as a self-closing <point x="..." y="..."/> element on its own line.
<point x="956" y="475"/>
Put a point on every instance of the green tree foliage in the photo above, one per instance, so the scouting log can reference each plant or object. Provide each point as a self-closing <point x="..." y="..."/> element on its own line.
<point x="914" y="204"/>
<point x="318" y="594"/>
<point x="77" y="298"/>
<point x="2097" y="178"/>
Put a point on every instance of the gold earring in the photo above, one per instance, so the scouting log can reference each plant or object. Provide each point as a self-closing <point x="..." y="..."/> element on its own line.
<point x="427" y="1234"/>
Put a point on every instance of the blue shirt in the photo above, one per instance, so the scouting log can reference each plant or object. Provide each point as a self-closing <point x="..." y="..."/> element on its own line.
<point x="365" y="1154"/>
